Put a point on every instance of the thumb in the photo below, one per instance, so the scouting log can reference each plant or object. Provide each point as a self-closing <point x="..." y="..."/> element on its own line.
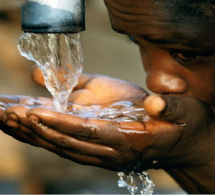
<point x="167" y="108"/>
<point x="37" y="76"/>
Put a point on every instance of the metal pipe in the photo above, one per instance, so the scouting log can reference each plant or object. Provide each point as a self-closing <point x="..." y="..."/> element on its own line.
<point x="53" y="16"/>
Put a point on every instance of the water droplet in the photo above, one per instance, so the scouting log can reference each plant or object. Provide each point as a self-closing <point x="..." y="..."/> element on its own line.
<point x="131" y="184"/>
<point x="147" y="186"/>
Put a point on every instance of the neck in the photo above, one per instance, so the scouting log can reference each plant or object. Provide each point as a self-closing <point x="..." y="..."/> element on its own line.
<point x="195" y="180"/>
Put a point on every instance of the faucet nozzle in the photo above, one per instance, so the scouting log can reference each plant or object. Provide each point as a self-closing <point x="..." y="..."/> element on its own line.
<point x="53" y="16"/>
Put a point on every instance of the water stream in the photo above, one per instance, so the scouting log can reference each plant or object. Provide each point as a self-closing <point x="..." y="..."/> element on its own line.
<point x="60" y="58"/>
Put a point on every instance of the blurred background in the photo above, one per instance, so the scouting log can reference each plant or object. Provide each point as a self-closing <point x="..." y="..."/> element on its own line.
<point x="25" y="169"/>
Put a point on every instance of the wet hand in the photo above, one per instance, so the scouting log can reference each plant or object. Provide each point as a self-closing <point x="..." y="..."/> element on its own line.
<point x="110" y="143"/>
<point x="7" y="101"/>
<point x="168" y="139"/>
<point x="99" y="89"/>
<point x="104" y="143"/>
<point x="195" y="123"/>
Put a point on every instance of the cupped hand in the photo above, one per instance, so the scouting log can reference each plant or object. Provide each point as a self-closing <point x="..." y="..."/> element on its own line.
<point x="91" y="90"/>
<point x="8" y="101"/>
<point x="174" y="136"/>
<point x="99" y="89"/>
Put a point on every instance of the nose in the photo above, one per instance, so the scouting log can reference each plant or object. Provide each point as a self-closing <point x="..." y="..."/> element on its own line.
<point x="164" y="75"/>
<point x="163" y="83"/>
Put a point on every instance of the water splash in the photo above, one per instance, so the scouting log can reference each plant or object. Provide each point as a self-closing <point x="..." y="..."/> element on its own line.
<point x="60" y="58"/>
<point x="130" y="182"/>
<point x="118" y="111"/>
<point x="122" y="111"/>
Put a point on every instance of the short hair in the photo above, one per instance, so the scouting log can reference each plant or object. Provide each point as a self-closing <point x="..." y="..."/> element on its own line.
<point x="183" y="9"/>
<point x="204" y="9"/>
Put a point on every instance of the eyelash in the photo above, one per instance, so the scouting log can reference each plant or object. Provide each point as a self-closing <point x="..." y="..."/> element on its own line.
<point x="182" y="57"/>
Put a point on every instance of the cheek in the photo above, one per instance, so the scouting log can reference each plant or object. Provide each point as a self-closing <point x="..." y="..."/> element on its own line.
<point x="200" y="78"/>
<point x="206" y="92"/>
<point x="202" y="84"/>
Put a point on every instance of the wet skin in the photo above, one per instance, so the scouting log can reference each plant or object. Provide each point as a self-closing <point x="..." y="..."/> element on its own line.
<point x="179" y="61"/>
<point x="178" y="55"/>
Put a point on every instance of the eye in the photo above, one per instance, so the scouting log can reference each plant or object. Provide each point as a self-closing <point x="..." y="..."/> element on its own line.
<point x="184" y="56"/>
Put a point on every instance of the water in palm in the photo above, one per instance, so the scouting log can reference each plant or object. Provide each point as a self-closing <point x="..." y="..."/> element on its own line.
<point x="60" y="58"/>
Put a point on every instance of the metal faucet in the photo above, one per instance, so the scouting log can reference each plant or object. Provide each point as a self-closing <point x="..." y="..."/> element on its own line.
<point x="53" y="16"/>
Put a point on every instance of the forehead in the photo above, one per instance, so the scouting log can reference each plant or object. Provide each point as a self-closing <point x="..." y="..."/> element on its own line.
<point x="166" y="10"/>
<point x="183" y="7"/>
<point x="164" y="16"/>
<point x="134" y="7"/>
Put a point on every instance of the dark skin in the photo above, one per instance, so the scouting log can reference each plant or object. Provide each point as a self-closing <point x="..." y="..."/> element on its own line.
<point x="179" y="61"/>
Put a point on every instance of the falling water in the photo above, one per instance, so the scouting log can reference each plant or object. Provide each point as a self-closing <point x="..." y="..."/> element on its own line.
<point x="60" y="58"/>
<point x="122" y="111"/>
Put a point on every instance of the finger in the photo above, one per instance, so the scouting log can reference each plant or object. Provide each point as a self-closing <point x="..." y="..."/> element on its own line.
<point x="65" y="153"/>
<point x="83" y="97"/>
<point x="14" y="111"/>
<point x="91" y="129"/>
<point x="9" y="99"/>
<point x="71" y="143"/>
<point x="154" y="105"/>
<point x="15" y="116"/>
<point x="17" y="134"/>
<point x="78" y="158"/>
<point x="109" y="133"/>
<point x="35" y="102"/>
<point x="83" y="80"/>
<point x="58" y="121"/>
<point x="62" y="145"/>
<point x="173" y="109"/>
<point x="35" y="140"/>
<point x="37" y="76"/>
<point x="14" y="99"/>
<point x="2" y="112"/>
<point x="62" y="151"/>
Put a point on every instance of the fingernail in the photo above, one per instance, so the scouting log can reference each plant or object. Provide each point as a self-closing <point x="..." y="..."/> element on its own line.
<point x="4" y="118"/>
<point x="12" y="123"/>
<point x="10" y="120"/>
<point x="154" y="105"/>
<point x="34" y="118"/>
<point x="2" y="112"/>
<point x="12" y="116"/>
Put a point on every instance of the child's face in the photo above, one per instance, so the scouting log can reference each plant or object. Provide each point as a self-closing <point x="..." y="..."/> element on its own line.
<point x="178" y="52"/>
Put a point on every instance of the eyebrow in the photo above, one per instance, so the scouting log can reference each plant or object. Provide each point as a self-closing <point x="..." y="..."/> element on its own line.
<point x="188" y="43"/>
<point x="148" y="38"/>
<point x="163" y="41"/>
<point x="158" y="40"/>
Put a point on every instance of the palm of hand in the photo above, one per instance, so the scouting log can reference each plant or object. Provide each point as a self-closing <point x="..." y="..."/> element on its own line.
<point x="98" y="89"/>
<point x="105" y="143"/>
<point x="103" y="90"/>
